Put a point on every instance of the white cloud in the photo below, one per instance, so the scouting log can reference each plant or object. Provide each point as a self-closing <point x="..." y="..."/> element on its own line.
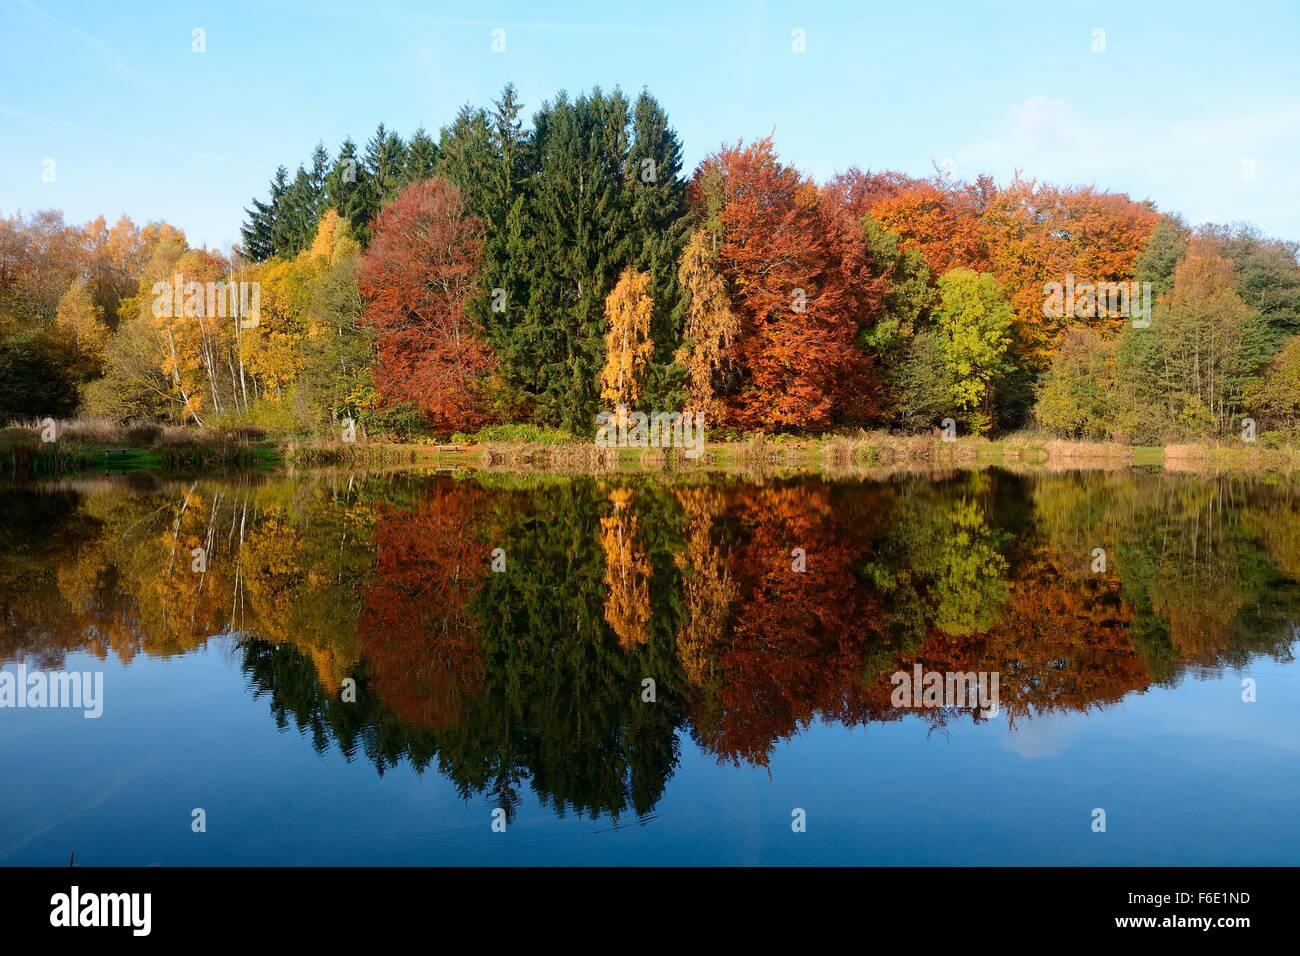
<point x="1042" y="736"/>
<point x="1193" y="166"/>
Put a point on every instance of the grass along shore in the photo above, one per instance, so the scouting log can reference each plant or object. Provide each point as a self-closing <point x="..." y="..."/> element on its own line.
<point x="81" y="445"/>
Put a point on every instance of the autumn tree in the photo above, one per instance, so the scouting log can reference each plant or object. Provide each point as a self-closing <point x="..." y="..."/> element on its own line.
<point x="1037" y="233"/>
<point x="628" y="346"/>
<point x="794" y="263"/>
<point x="974" y="319"/>
<point x="938" y="218"/>
<point x="82" y="321"/>
<point x="1276" y="396"/>
<point x="417" y="627"/>
<point x="711" y="325"/>
<point x="41" y="257"/>
<point x="1266" y="274"/>
<point x="415" y="279"/>
<point x="272" y="351"/>
<point x="196" y="336"/>
<point x="1186" y="374"/>
<point x="1076" y="396"/>
<point x="859" y="192"/>
<point x="338" y="351"/>
<point x="710" y="591"/>
<point x="627" y="571"/>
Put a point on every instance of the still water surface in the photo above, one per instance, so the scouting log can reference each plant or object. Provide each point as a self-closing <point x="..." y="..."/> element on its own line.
<point x="523" y="690"/>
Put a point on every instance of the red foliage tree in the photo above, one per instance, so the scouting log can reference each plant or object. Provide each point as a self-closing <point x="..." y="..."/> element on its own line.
<point x="415" y="279"/>
<point x="797" y="268"/>
<point x="857" y="192"/>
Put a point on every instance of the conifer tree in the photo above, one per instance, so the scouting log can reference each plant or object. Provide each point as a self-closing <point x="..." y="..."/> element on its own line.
<point x="385" y="160"/>
<point x="295" y="220"/>
<point x="658" y="205"/>
<point x="421" y="157"/>
<point x="345" y="186"/>
<point x="258" y="231"/>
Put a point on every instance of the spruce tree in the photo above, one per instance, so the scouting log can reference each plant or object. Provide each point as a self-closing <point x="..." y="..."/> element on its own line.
<point x="345" y="187"/>
<point x="384" y="161"/>
<point x="421" y="157"/>
<point x="317" y="178"/>
<point x="465" y="156"/>
<point x="256" y="232"/>
<point x="575" y="237"/>
<point x="658" y="205"/>
<point x="293" y="228"/>
<point x="259" y="231"/>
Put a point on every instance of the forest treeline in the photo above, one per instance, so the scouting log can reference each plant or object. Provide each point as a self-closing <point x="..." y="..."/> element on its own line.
<point x="503" y="273"/>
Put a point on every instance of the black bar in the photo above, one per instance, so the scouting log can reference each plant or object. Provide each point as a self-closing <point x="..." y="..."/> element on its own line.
<point x="364" y="906"/>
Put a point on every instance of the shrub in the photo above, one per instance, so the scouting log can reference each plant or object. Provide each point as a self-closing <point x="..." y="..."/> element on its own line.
<point x="403" y="421"/>
<point x="522" y="435"/>
<point x="142" y="434"/>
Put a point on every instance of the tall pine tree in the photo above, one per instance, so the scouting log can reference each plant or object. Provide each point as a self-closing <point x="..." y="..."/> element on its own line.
<point x="258" y="231"/>
<point x="345" y="186"/>
<point x="421" y="157"/>
<point x="384" y="162"/>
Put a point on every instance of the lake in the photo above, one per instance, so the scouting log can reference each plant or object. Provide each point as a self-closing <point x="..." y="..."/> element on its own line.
<point x="482" y="668"/>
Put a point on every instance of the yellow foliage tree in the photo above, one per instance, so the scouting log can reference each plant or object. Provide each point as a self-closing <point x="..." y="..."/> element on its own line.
<point x="273" y="351"/>
<point x="327" y="235"/>
<point x="193" y="347"/>
<point x="711" y="325"/>
<point x="80" y="319"/>
<point x="628" y="347"/>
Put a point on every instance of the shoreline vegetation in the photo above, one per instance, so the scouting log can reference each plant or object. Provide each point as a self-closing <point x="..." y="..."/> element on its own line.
<point x="87" y="446"/>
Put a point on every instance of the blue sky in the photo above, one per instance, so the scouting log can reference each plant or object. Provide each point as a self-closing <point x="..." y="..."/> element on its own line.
<point x="1193" y="105"/>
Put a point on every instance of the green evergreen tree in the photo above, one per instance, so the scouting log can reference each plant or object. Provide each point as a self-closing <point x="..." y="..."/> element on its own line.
<point x="421" y="157"/>
<point x="258" y="231"/>
<point x="295" y="220"/>
<point x="345" y="186"/>
<point x="317" y="182"/>
<point x="384" y="162"/>
<point x="1164" y="250"/>
<point x="576" y="234"/>
<point x="657" y="195"/>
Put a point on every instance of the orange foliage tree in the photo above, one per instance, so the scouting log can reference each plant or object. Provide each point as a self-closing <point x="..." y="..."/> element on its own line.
<point x="627" y="571"/>
<point x="1036" y="234"/>
<point x="940" y="219"/>
<point x="796" y="267"/>
<point x="628" y="347"/>
<point x="768" y="647"/>
<point x="711" y="325"/>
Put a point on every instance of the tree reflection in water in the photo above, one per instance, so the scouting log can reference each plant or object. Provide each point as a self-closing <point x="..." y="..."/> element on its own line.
<point x="538" y="676"/>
